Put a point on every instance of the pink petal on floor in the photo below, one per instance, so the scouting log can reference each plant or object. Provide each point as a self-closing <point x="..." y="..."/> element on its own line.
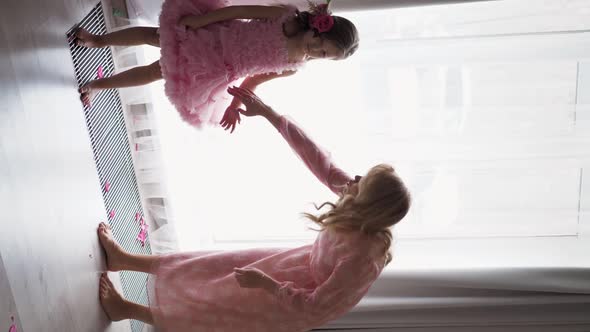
<point x="99" y="72"/>
<point x="111" y="214"/>
<point x="137" y="216"/>
<point x="142" y="238"/>
<point x="107" y="186"/>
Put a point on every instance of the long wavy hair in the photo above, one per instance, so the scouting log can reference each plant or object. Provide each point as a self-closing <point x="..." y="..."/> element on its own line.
<point x="382" y="201"/>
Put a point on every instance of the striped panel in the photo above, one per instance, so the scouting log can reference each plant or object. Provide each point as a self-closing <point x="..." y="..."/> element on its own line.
<point x="110" y="144"/>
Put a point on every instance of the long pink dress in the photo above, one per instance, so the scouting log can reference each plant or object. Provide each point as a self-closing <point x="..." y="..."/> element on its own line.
<point x="198" y="65"/>
<point x="198" y="291"/>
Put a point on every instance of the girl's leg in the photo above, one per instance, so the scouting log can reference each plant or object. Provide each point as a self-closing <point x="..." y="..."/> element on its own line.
<point x="117" y="308"/>
<point x="125" y="37"/>
<point x="133" y="77"/>
<point x="117" y="258"/>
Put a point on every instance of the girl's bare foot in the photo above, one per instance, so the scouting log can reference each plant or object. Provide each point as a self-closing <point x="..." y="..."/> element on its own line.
<point x="112" y="302"/>
<point x="86" y="39"/>
<point x="116" y="256"/>
<point x="87" y="93"/>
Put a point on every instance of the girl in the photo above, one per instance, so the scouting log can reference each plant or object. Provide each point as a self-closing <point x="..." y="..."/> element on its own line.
<point x="272" y="289"/>
<point x="206" y="45"/>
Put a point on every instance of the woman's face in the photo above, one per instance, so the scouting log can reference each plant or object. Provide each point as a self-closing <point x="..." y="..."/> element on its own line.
<point x="352" y="186"/>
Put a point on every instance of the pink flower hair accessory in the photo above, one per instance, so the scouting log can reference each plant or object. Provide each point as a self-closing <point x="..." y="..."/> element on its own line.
<point x="321" y="18"/>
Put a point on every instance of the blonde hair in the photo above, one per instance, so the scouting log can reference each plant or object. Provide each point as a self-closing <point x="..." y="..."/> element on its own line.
<point x="382" y="201"/>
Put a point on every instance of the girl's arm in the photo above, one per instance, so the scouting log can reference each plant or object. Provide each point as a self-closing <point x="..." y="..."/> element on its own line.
<point x="254" y="81"/>
<point x="232" y="13"/>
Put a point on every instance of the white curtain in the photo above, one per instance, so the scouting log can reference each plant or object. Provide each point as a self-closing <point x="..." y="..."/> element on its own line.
<point x="140" y="117"/>
<point x="482" y="107"/>
<point x="509" y="299"/>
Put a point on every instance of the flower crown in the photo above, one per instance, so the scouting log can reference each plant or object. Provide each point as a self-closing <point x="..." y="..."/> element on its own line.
<point x="321" y="18"/>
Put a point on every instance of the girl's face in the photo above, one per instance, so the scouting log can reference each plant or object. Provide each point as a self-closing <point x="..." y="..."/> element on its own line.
<point x="315" y="47"/>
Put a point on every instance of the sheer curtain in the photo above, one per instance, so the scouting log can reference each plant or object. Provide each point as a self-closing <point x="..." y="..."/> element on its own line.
<point x="482" y="107"/>
<point x="140" y="117"/>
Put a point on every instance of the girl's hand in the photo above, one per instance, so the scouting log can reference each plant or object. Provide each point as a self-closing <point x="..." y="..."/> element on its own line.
<point x="254" y="106"/>
<point x="252" y="278"/>
<point x="230" y="117"/>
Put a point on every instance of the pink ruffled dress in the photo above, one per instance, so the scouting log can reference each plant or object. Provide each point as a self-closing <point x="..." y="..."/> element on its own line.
<point x="199" y="65"/>
<point x="317" y="283"/>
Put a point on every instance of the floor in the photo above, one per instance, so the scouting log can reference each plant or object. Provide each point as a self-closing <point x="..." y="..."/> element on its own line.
<point x="48" y="181"/>
<point x="51" y="201"/>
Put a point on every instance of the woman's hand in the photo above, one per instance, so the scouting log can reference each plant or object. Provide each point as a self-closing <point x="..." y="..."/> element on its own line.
<point x="253" y="278"/>
<point x="254" y="106"/>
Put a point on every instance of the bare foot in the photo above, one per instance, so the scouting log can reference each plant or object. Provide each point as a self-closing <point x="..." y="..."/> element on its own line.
<point x="86" y="39"/>
<point x="112" y="302"/>
<point x="87" y="93"/>
<point x="115" y="254"/>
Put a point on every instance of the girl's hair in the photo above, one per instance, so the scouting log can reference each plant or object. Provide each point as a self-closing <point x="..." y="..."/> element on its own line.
<point x="343" y="33"/>
<point x="382" y="201"/>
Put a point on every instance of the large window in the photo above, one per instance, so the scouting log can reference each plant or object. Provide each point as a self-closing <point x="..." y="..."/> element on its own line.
<point x="482" y="108"/>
